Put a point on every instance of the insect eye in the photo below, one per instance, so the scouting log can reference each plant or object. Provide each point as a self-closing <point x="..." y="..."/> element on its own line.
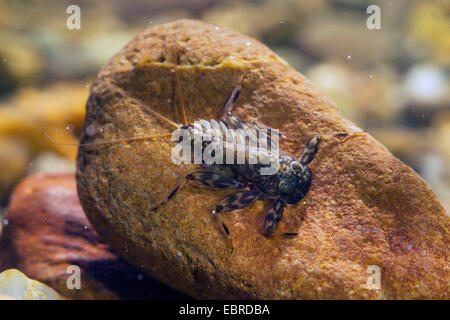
<point x="284" y="186"/>
<point x="296" y="166"/>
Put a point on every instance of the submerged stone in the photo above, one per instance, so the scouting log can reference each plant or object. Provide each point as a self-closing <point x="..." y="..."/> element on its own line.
<point x="369" y="227"/>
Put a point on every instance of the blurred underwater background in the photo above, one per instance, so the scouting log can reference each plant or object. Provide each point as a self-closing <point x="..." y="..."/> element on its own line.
<point x="393" y="82"/>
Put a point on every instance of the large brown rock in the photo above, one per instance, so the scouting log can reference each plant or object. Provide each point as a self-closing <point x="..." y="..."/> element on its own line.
<point x="46" y="231"/>
<point x="364" y="208"/>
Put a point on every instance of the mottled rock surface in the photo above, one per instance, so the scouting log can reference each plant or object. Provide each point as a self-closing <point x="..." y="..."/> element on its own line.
<point x="46" y="231"/>
<point x="365" y="207"/>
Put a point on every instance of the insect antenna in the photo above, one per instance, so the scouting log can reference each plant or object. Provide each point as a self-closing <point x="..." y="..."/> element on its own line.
<point x="346" y="135"/>
<point x="113" y="141"/>
<point x="153" y="112"/>
<point x="312" y="146"/>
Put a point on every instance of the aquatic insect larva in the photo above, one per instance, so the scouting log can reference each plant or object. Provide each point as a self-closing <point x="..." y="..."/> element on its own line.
<point x="288" y="185"/>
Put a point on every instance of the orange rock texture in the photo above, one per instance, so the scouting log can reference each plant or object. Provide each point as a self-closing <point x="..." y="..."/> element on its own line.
<point x="364" y="208"/>
<point x="47" y="231"/>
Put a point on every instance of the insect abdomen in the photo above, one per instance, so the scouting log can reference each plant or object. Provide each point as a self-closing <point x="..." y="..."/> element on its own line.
<point x="241" y="143"/>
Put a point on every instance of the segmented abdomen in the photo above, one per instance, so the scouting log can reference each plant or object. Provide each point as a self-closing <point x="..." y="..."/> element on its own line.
<point x="242" y="142"/>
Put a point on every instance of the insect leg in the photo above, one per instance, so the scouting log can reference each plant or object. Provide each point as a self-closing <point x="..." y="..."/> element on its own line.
<point x="273" y="217"/>
<point x="228" y="117"/>
<point x="310" y="150"/>
<point x="210" y="179"/>
<point x="236" y="200"/>
<point x="248" y="130"/>
<point x="229" y="104"/>
<point x="214" y="180"/>
<point x="231" y="202"/>
<point x="178" y="185"/>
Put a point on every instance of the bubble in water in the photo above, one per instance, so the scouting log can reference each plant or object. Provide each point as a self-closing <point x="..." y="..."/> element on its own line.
<point x="90" y="130"/>
<point x="426" y="84"/>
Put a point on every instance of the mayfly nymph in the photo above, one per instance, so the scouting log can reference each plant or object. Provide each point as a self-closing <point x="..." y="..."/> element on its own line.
<point x="288" y="185"/>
